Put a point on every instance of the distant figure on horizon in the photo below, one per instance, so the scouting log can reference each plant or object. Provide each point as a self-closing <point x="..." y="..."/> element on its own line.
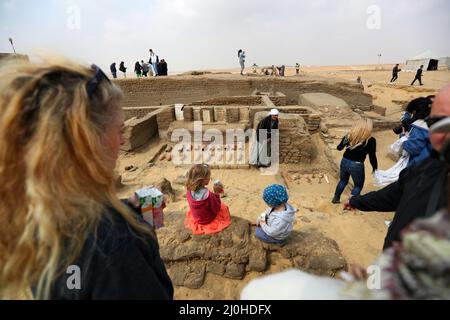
<point x="123" y="69"/>
<point x="395" y="72"/>
<point x="358" y="80"/>
<point x="254" y="68"/>
<point x="418" y="76"/>
<point x="113" y="70"/>
<point x="281" y="70"/>
<point x="154" y="60"/>
<point x="138" y="69"/>
<point x="274" y="71"/>
<point x="162" y="68"/>
<point x="241" y="55"/>
<point x="297" y="68"/>
<point x="144" y="68"/>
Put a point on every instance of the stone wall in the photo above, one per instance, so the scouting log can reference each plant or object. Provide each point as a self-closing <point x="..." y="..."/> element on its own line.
<point x="224" y="101"/>
<point x="171" y="90"/>
<point x="138" y="112"/>
<point x="139" y="131"/>
<point x="295" y="140"/>
<point x="165" y="116"/>
<point x="311" y="117"/>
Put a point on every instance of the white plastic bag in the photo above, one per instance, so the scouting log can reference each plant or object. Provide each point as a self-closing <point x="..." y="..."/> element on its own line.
<point x="385" y="177"/>
<point x="397" y="147"/>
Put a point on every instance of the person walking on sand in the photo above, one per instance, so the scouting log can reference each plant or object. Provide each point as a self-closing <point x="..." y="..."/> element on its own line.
<point x="113" y="70"/>
<point x="138" y="69"/>
<point x="123" y="69"/>
<point x="418" y="76"/>
<point x="358" y="144"/>
<point x="153" y="61"/>
<point x="395" y="72"/>
<point x="144" y="69"/>
<point x="241" y="56"/>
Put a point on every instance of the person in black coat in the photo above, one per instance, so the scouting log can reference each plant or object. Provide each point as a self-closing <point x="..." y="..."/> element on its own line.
<point x="74" y="239"/>
<point x="261" y="150"/>
<point x="116" y="264"/>
<point x="418" y="76"/>
<point x="123" y="69"/>
<point x="395" y="72"/>
<point x="113" y="70"/>
<point x="421" y="190"/>
<point x="162" y="68"/>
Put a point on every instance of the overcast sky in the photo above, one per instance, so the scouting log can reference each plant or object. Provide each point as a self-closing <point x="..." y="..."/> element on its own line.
<point x="206" y="34"/>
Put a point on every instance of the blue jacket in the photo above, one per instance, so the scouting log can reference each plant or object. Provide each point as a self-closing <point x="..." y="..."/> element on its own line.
<point x="279" y="224"/>
<point x="418" y="144"/>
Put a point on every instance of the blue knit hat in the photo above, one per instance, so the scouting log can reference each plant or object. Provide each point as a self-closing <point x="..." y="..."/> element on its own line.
<point x="275" y="194"/>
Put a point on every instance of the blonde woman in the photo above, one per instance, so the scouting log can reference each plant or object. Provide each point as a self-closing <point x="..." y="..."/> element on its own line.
<point x="358" y="144"/>
<point x="63" y="231"/>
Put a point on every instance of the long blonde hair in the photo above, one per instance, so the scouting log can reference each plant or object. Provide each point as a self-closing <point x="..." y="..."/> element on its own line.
<point x="56" y="175"/>
<point x="196" y="177"/>
<point x="360" y="133"/>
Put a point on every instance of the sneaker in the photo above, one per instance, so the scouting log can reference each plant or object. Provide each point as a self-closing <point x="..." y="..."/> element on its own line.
<point x="335" y="201"/>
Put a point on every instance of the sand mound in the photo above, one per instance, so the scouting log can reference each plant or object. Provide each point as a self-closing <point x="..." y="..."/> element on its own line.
<point x="235" y="251"/>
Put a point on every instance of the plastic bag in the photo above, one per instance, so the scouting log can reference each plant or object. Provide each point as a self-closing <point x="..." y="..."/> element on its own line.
<point x="385" y="177"/>
<point x="397" y="147"/>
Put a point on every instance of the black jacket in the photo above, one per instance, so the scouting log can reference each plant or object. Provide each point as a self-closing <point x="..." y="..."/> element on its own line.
<point x="162" y="68"/>
<point x="419" y="73"/>
<point x="395" y="71"/>
<point x="266" y="124"/>
<point x="410" y="196"/>
<point x="117" y="265"/>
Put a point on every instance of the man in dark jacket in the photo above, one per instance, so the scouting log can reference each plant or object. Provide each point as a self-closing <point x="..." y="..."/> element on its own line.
<point x="261" y="150"/>
<point x="418" y="76"/>
<point x="421" y="190"/>
<point x="395" y="72"/>
<point x="113" y="70"/>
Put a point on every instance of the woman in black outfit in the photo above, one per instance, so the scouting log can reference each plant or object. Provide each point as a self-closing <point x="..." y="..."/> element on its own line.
<point x="358" y="144"/>
<point x="68" y="235"/>
<point x="123" y="69"/>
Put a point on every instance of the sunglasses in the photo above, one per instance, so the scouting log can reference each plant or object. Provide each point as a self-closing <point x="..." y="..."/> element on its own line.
<point x="93" y="84"/>
<point x="432" y="120"/>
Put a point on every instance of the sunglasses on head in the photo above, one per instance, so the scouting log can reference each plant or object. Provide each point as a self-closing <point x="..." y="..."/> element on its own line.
<point x="433" y="119"/>
<point x="93" y="84"/>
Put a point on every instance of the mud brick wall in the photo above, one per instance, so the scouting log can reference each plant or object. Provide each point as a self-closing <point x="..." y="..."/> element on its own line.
<point x="170" y="90"/>
<point x="139" y="131"/>
<point x="295" y="140"/>
<point x="219" y="114"/>
<point x="188" y="114"/>
<point x="244" y="100"/>
<point x="138" y="112"/>
<point x="165" y="116"/>
<point x="232" y="114"/>
<point x="279" y="99"/>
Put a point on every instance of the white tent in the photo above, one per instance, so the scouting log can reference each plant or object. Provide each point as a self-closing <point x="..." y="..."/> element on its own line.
<point x="444" y="63"/>
<point x="428" y="59"/>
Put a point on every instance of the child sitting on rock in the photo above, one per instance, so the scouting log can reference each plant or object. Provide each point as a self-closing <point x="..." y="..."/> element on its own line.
<point x="207" y="213"/>
<point x="276" y="223"/>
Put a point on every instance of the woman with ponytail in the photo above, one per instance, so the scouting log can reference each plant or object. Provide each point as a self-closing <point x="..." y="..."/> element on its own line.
<point x="63" y="231"/>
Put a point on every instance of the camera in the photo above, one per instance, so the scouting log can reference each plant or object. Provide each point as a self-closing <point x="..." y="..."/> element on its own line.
<point x="398" y="129"/>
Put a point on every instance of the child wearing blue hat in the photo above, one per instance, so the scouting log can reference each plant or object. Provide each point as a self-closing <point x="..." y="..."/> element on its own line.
<point x="276" y="223"/>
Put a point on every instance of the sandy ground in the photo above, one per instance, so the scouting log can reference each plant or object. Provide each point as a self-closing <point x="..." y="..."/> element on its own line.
<point x="359" y="235"/>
